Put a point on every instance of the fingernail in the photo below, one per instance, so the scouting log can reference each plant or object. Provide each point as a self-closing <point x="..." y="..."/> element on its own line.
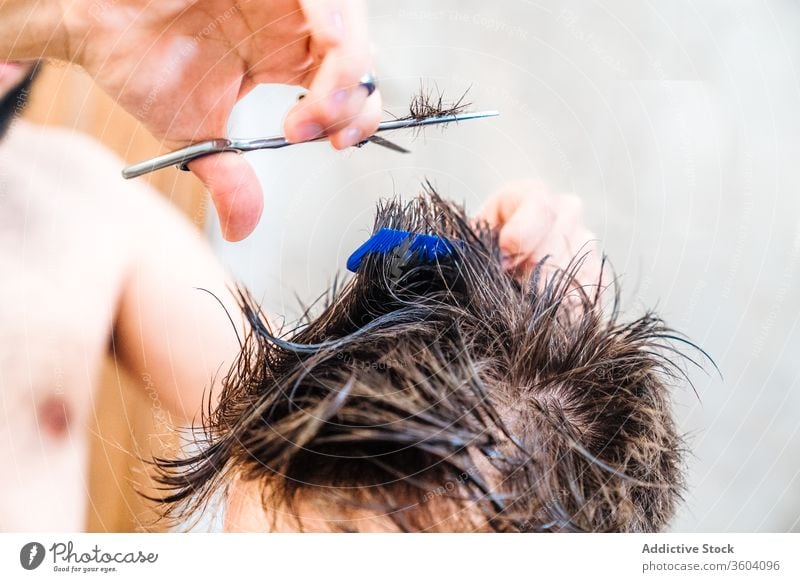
<point x="352" y="136"/>
<point x="338" y="100"/>
<point x="308" y="131"/>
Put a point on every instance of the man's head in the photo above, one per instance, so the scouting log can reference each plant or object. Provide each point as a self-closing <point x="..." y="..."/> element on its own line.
<point x="15" y="81"/>
<point x="445" y="397"/>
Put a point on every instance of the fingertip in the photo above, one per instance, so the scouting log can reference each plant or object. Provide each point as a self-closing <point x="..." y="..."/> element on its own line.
<point x="520" y="239"/>
<point x="362" y="127"/>
<point x="235" y="190"/>
<point x="240" y="224"/>
<point x="488" y="213"/>
<point x="295" y="122"/>
<point x="371" y="116"/>
<point x="300" y="132"/>
<point x="345" y="138"/>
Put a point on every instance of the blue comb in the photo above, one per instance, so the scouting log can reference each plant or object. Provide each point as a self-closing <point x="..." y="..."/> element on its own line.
<point x="428" y="247"/>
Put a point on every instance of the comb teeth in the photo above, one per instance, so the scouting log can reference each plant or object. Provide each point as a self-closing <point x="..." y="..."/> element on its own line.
<point x="429" y="247"/>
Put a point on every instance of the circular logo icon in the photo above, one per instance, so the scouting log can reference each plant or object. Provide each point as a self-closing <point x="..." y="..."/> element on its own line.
<point x="31" y="555"/>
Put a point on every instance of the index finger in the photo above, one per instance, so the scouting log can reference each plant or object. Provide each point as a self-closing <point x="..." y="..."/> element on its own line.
<point x="335" y="99"/>
<point x="502" y="205"/>
<point x="335" y="23"/>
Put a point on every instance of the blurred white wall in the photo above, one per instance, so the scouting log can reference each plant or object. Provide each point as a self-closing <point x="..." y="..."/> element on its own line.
<point x="678" y="123"/>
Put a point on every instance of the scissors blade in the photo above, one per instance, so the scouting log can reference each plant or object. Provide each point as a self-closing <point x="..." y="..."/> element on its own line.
<point x="378" y="140"/>
<point x="454" y="118"/>
<point x="247" y="145"/>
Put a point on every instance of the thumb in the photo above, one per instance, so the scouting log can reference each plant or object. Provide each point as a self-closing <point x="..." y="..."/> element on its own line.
<point x="235" y="191"/>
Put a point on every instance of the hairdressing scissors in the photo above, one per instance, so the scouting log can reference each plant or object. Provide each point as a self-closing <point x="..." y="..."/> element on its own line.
<point x="182" y="157"/>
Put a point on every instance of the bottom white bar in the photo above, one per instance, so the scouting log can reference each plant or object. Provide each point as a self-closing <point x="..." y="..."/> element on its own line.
<point x="400" y="557"/>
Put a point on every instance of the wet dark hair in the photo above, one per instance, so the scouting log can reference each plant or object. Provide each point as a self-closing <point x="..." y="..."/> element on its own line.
<point x="450" y="396"/>
<point x="12" y="104"/>
<point x="430" y="102"/>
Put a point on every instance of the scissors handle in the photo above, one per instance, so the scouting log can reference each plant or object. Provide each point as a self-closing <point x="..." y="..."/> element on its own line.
<point x="179" y="157"/>
<point x="183" y="156"/>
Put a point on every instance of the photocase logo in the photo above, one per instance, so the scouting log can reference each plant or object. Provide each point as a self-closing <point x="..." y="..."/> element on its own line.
<point x="31" y="555"/>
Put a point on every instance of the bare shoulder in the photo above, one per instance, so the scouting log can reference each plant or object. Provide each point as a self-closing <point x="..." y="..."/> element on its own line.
<point x="84" y="173"/>
<point x="78" y="181"/>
